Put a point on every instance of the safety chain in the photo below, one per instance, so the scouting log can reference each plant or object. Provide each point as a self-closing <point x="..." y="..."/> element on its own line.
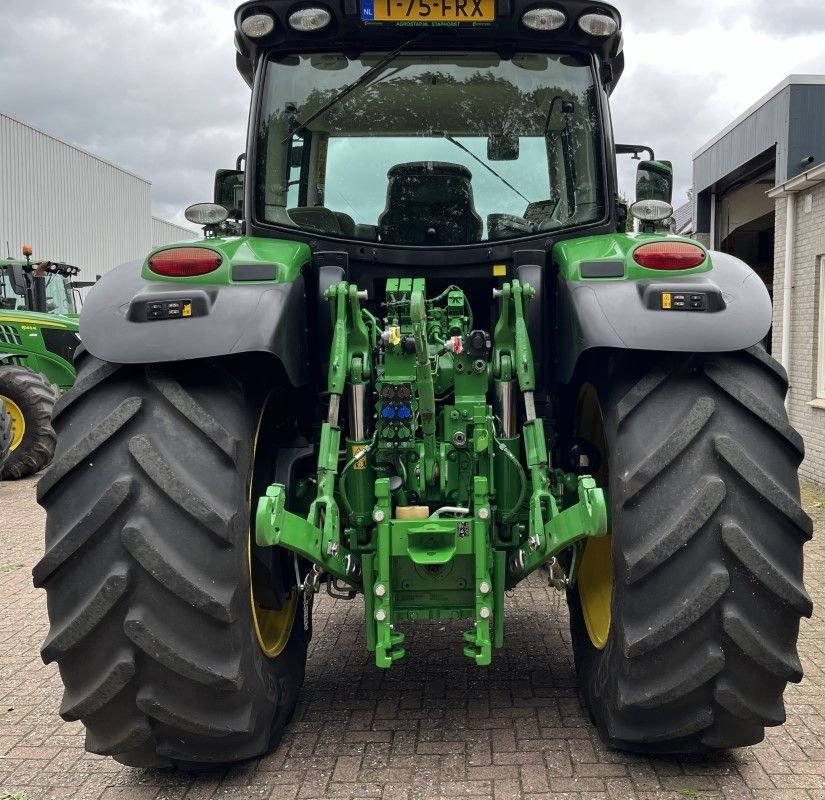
<point x="311" y="584"/>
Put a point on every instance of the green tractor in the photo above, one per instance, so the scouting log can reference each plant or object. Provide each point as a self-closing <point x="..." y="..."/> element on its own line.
<point x="432" y="365"/>
<point x="38" y="337"/>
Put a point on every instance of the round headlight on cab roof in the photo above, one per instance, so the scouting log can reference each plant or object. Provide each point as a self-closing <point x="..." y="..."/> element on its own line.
<point x="543" y="19"/>
<point x="312" y="18"/>
<point x="601" y="25"/>
<point x="256" y="26"/>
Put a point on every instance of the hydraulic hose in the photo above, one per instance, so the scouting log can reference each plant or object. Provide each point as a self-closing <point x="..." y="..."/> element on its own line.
<point x="510" y="514"/>
<point x="424" y="375"/>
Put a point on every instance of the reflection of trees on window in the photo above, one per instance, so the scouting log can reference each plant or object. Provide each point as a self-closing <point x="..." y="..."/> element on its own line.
<point x="440" y="112"/>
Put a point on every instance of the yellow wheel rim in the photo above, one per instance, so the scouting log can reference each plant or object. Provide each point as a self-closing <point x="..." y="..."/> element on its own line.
<point x="18" y="421"/>
<point x="272" y="626"/>
<point x="595" y="578"/>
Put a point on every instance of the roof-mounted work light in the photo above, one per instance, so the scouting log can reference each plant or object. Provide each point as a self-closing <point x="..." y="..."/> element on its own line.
<point x="544" y="19"/>
<point x="256" y="26"/>
<point x="306" y="20"/>
<point x="600" y="25"/>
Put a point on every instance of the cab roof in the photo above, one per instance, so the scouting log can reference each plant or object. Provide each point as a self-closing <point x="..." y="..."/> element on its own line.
<point x="347" y="33"/>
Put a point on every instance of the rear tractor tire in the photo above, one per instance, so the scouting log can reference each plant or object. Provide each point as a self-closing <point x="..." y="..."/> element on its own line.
<point x="171" y="651"/>
<point x="5" y="433"/>
<point x="29" y="398"/>
<point x="685" y="619"/>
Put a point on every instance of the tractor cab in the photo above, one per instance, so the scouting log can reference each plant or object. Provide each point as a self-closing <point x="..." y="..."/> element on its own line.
<point x="45" y="287"/>
<point x="429" y="125"/>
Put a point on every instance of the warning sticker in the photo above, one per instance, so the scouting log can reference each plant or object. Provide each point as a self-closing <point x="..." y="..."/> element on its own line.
<point x="362" y="462"/>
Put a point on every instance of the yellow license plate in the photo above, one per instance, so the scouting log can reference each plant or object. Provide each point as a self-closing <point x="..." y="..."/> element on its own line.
<point x="436" y="11"/>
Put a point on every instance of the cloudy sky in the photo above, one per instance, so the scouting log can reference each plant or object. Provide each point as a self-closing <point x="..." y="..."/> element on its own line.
<point x="151" y="84"/>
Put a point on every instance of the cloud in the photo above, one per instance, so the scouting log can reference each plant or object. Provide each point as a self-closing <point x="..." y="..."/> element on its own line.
<point x="152" y="85"/>
<point x="791" y="18"/>
<point x="653" y="16"/>
<point x="684" y="86"/>
<point x="663" y="109"/>
<point x="147" y="85"/>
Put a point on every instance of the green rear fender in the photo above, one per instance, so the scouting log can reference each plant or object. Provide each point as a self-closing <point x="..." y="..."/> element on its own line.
<point x="254" y="302"/>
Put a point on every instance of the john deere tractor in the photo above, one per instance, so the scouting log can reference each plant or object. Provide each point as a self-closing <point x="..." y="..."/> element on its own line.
<point x="433" y="365"/>
<point x="38" y="337"/>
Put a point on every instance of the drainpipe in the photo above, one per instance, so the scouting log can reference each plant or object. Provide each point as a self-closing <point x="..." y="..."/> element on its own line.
<point x="787" y="283"/>
<point x="712" y="221"/>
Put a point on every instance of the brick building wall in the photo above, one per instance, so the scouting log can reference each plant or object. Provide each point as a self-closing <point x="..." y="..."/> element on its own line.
<point x="807" y="411"/>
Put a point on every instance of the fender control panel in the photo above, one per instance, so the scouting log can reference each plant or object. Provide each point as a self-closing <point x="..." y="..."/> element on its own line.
<point x="684" y="301"/>
<point x="169" y="309"/>
<point x="702" y="296"/>
<point x="157" y="306"/>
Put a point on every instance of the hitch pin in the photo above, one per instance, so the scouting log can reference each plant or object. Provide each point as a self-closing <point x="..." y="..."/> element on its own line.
<point x="313" y="580"/>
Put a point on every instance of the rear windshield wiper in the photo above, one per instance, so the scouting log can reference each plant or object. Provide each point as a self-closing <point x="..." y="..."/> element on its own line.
<point x="371" y="73"/>
<point x="486" y="166"/>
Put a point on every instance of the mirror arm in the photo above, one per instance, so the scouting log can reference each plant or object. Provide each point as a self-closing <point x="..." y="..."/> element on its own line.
<point x="635" y="150"/>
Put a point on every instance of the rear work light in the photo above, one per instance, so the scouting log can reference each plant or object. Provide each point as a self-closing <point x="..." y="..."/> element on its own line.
<point x="185" y="262"/>
<point x="305" y="20"/>
<point x="600" y="25"/>
<point x="256" y="26"/>
<point x="669" y="255"/>
<point x="544" y="19"/>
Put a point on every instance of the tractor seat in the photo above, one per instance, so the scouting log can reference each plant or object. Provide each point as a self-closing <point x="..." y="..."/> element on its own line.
<point x="430" y="203"/>
<point x="323" y="220"/>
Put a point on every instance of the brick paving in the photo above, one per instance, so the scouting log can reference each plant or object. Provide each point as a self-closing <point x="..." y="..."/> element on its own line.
<point x="432" y="727"/>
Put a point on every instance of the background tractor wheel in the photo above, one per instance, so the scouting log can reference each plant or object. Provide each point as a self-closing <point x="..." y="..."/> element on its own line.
<point x="178" y="643"/>
<point x="5" y="433"/>
<point x="29" y="398"/>
<point x="685" y="620"/>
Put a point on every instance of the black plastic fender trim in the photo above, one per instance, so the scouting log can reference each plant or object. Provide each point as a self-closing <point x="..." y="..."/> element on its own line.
<point x="619" y="314"/>
<point x="226" y="320"/>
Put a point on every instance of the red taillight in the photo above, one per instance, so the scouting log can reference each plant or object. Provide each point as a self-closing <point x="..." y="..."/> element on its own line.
<point x="669" y="255"/>
<point x="185" y="262"/>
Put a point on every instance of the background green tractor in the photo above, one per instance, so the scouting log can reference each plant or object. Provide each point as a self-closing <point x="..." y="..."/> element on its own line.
<point x="38" y="337"/>
<point x="433" y="364"/>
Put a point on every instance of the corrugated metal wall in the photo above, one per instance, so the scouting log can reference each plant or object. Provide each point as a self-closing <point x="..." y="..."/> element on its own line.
<point x="764" y="128"/>
<point x="164" y="232"/>
<point x="70" y="205"/>
<point x="807" y="128"/>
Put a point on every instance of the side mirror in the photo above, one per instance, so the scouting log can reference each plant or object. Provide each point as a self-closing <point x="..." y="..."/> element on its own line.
<point x="654" y="181"/>
<point x="502" y="147"/>
<point x="229" y="190"/>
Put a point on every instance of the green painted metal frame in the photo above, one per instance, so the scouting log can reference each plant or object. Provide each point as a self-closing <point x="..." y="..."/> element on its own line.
<point x="456" y="562"/>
